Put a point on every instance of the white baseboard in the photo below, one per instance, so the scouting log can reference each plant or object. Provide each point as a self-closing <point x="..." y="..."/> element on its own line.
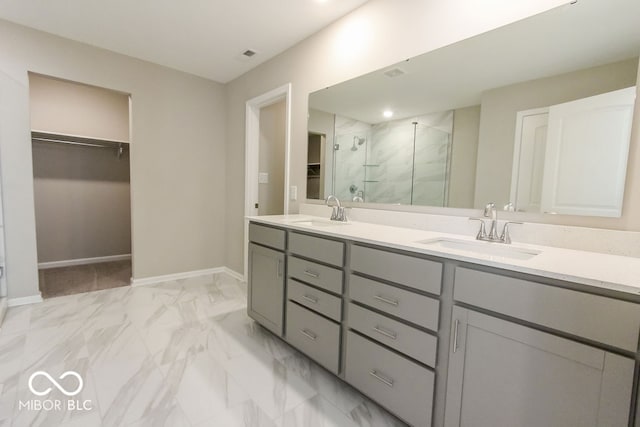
<point x="83" y="261"/>
<point x="33" y="299"/>
<point x="177" y="276"/>
<point x="234" y="274"/>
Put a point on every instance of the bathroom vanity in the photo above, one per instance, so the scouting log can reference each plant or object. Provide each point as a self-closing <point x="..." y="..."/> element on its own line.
<point x="444" y="336"/>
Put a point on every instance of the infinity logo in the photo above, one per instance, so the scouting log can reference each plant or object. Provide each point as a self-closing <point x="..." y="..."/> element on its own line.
<point x="55" y="383"/>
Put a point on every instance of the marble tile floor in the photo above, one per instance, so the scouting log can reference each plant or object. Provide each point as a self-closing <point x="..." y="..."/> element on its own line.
<point x="55" y="282"/>
<point x="180" y="353"/>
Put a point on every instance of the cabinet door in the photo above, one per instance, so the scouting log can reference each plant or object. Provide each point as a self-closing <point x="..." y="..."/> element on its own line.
<point x="505" y="374"/>
<point x="266" y="287"/>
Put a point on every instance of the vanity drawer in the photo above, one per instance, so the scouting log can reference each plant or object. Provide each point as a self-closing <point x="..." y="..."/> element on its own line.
<point x="400" y="385"/>
<point x="406" y="339"/>
<point x="267" y="236"/>
<point x="415" y="308"/>
<point x="594" y="317"/>
<point x="317" y="248"/>
<point x="418" y="273"/>
<point x="314" y="335"/>
<point x="315" y="274"/>
<point x="315" y="299"/>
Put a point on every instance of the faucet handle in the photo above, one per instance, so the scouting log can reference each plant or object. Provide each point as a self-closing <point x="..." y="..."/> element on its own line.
<point x="334" y="213"/>
<point x="482" y="233"/>
<point x="342" y="214"/>
<point x="489" y="209"/>
<point x="505" y="237"/>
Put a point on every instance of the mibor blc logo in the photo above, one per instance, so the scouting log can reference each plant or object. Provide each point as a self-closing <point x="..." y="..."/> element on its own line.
<point x="55" y="404"/>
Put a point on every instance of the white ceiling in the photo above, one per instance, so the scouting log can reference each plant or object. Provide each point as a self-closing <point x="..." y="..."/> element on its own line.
<point x="565" y="39"/>
<point x="201" y="37"/>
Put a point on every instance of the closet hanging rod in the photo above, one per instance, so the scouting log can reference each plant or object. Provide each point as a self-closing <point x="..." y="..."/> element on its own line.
<point x="61" y="141"/>
<point x="46" y="137"/>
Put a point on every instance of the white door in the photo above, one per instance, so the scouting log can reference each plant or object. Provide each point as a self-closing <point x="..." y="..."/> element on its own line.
<point x="528" y="159"/>
<point x="586" y="154"/>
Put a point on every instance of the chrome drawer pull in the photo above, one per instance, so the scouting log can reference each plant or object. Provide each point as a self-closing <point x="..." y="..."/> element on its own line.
<point x="381" y="331"/>
<point x="310" y="299"/>
<point x="381" y="378"/>
<point x="311" y="274"/>
<point x="309" y="334"/>
<point x="386" y="300"/>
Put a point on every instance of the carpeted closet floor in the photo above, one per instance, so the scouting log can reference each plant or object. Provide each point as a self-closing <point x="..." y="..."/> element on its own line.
<point x="60" y="281"/>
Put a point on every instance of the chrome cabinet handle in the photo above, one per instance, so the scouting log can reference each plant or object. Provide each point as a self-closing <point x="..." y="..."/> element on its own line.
<point x="455" y="335"/>
<point x="311" y="274"/>
<point x="381" y="378"/>
<point x="279" y="268"/>
<point x="386" y="300"/>
<point x="310" y="299"/>
<point x="381" y="331"/>
<point x="308" y="334"/>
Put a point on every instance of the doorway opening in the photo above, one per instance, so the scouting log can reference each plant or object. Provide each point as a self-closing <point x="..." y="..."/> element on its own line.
<point x="80" y="139"/>
<point x="271" y="167"/>
<point x="254" y="108"/>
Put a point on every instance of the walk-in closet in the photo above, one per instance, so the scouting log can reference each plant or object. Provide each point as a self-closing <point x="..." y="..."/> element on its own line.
<point x="81" y="173"/>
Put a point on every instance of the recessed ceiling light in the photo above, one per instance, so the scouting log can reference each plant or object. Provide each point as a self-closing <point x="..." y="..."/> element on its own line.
<point x="387" y="113"/>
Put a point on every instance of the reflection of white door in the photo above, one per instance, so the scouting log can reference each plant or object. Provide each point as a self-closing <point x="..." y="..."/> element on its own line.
<point x="586" y="154"/>
<point x="528" y="159"/>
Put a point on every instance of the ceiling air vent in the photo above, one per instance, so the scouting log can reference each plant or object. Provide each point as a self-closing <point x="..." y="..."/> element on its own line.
<point x="249" y="53"/>
<point x="394" y="72"/>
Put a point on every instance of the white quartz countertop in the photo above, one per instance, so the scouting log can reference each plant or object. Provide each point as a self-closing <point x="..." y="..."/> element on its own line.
<point x="618" y="273"/>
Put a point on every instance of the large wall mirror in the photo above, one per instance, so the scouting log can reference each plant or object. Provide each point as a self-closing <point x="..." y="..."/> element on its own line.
<point x="535" y="116"/>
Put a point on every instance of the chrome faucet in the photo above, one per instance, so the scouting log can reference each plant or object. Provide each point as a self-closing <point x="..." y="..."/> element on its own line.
<point x="491" y="212"/>
<point x="338" y="213"/>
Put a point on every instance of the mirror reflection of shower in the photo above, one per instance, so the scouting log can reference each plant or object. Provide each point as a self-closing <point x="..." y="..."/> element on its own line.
<point x="358" y="140"/>
<point x="350" y="153"/>
<point x="403" y="161"/>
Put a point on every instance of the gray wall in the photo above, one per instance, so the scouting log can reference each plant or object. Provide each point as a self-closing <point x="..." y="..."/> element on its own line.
<point x="271" y="158"/>
<point x="464" y="153"/>
<point x="178" y="153"/>
<point x="82" y="202"/>
<point x="377" y="34"/>
<point x="498" y="126"/>
<point x="59" y="106"/>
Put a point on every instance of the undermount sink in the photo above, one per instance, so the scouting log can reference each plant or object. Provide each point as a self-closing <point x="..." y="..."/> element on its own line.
<point x="482" y="248"/>
<point x="319" y="223"/>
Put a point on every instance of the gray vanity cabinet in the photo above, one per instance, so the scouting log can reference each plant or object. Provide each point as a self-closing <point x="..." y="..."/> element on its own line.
<point x="391" y="337"/>
<point x="445" y="343"/>
<point x="505" y="374"/>
<point x="314" y="297"/>
<point x="266" y="277"/>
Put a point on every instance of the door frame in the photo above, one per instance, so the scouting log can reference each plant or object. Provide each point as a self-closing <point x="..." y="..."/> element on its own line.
<point x="252" y="156"/>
